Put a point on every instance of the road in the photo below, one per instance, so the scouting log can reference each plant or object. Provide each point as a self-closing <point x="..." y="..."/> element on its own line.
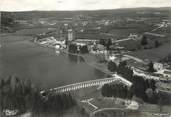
<point x="117" y="41"/>
<point x="135" y="58"/>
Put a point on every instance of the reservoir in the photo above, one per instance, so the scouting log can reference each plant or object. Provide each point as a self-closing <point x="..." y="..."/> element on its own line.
<point x="21" y="57"/>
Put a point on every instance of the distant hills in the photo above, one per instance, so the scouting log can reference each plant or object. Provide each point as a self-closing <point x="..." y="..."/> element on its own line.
<point x="90" y="13"/>
<point x="104" y="10"/>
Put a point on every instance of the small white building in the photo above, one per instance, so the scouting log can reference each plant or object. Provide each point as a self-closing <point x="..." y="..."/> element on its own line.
<point x="9" y="112"/>
<point x="158" y="66"/>
<point x="138" y="72"/>
<point x="133" y="36"/>
<point x="57" y="46"/>
<point x="133" y="105"/>
<point x="167" y="73"/>
<point x="61" y="42"/>
<point x="80" y="44"/>
<point x="112" y="57"/>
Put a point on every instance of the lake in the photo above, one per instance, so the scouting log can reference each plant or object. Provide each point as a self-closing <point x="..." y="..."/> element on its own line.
<point x="25" y="59"/>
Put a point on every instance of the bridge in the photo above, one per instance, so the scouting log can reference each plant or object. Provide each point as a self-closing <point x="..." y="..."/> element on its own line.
<point x="90" y="83"/>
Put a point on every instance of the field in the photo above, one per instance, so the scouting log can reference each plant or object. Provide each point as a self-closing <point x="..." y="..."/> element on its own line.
<point x="154" y="54"/>
<point x="122" y="22"/>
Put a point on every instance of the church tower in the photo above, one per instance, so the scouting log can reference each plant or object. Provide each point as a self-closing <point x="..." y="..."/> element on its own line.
<point x="66" y="32"/>
<point x="70" y="34"/>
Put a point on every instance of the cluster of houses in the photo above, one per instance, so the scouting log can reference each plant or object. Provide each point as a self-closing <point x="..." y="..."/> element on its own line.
<point x="58" y="43"/>
<point x="52" y="42"/>
<point x="66" y="37"/>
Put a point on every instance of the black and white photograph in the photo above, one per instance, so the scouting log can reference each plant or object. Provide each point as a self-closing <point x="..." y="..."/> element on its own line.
<point x="85" y="58"/>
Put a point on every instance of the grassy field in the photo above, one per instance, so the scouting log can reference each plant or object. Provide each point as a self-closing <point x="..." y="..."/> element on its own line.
<point x="154" y="54"/>
<point x="105" y="102"/>
<point x="33" y="31"/>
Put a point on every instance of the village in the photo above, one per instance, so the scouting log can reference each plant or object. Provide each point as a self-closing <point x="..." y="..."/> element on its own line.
<point x="104" y="51"/>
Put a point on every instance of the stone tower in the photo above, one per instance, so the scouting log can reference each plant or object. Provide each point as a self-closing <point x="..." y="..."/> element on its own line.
<point x="70" y="34"/>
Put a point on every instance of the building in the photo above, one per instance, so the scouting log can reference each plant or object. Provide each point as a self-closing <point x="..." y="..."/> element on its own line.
<point x="57" y="46"/>
<point x="53" y="42"/>
<point x="158" y="66"/>
<point x="112" y="58"/>
<point x="167" y="73"/>
<point x="133" y="36"/>
<point x="138" y="72"/>
<point x="70" y="35"/>
<point x="164" y="73"/>
<point x="67" y="32"/>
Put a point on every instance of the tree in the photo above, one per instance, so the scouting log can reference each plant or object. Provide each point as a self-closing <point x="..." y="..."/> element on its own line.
<point x="144" y="89"/>
<point x="108" y="44"/>
<point x="122" y="63"/>
<point x="151" y="67"/>
<point x="15" y="94"/>
<point x="116" y="90"/>
<point x="152" y="96"/>
<point x="139" y="87"/>
<point x="7" y="22"/>
<point x="149" y="93"/>
<point x="144" y="40"/>
<point x="54" y="103"/>
<point x="105" y="90"/>
<point x="157" y="44"/>
<point x="125" y="71"/>
<point x="23" y="95"/>
<point x="152" y="84"/>
<point x="73" y="48"/>
<point x="84" y="49"/>
<point x="112" y="66"/>
<point x="7" y="19"/>
<point x="102" y="42"/>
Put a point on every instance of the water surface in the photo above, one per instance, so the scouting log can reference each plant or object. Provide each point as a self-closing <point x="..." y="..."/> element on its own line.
<point x="25" y="59"/>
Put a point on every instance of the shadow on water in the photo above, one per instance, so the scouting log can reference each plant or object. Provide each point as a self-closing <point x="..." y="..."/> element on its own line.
<point x="75" y="58"/>
<point x="78" y="59"/>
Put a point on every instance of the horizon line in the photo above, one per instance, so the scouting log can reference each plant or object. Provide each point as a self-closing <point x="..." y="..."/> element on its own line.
<point x="105" y="9"/>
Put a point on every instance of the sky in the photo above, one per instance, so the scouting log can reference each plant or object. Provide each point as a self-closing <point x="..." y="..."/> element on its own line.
<point x="27" y="5"/>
